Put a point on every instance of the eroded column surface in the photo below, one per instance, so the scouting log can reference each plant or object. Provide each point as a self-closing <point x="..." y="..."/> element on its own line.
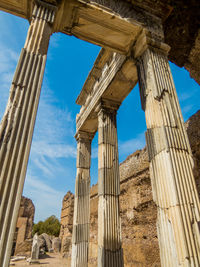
<point x="81" y="220"/>
<point x="171" y="162"/>
<point x="110" y="252"/>
<point x="17" y="125"/>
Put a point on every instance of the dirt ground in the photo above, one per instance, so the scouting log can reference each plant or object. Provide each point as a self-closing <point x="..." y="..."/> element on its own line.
<point x="48" y="260"/>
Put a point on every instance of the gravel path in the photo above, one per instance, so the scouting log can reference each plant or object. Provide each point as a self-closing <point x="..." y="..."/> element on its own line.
<point x="48" y="260"/>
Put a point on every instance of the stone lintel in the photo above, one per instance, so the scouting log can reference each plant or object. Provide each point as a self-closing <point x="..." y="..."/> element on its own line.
<point x="95" y="73"/>
<point x="147" y="40"/>
<point x="118" y="78"/>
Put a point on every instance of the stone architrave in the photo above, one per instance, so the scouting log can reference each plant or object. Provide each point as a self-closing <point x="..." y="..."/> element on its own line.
<point x="110" y="252"/>
<point x="17" y="125"/>
<point x="81" y="220"/>
<point x="171" y="163"/>
<point x="35" y="248"/>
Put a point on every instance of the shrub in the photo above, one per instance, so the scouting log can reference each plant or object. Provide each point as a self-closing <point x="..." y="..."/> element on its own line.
<point x="50" y="226"/>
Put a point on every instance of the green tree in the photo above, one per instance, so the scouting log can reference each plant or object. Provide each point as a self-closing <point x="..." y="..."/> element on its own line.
<point x="50" y="226"/>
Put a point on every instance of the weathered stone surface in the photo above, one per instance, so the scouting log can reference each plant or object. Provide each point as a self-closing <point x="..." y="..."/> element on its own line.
<point x="180" y="21"/>
<point x="181" y="29"/>
<point x="22" y="242"/>
<point x="193" y="129"/>
<point x="47" y="241"/>
<point x="110" y="252"/>
<point x="35" y="248"/>
<point x="66" y="223"/>
<point x="56" y="244"/>
<point x="138" y="211"/>
<point x="18" y="122"/>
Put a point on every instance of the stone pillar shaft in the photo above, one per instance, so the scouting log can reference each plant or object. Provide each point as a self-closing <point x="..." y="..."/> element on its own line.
<point x="171" y="163"/>
<point x="109" y="225"/>
<point x="17" y="125"/>
<point x="81" y="220"/>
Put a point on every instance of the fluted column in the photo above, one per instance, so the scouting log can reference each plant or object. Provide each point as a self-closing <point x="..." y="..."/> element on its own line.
<point x="81" y="220"/>
<point x="17" y="126"/>
<point x="171" y="163"/>
<point x="110" y="252"/>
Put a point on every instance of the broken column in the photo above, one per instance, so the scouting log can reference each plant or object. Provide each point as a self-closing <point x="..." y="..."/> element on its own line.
<point x="35" y="252"/>
<point x="81" y="220"/>
<point x="17" y="126"/>
<point x="171" y="163"/>
<point x="110" y="252"/>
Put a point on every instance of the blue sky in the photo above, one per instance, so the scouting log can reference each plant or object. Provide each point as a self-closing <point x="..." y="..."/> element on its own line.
<point x="52" y="164"/>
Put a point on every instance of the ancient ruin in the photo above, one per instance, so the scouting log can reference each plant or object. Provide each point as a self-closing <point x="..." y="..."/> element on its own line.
<point x="137" y="208"/>
<point x="132" y="34"/>
<point x="23" y="234"/>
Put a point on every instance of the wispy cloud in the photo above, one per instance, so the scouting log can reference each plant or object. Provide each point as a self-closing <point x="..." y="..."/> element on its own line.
<point x="129" y="146"/>
<point x="8" y="61"/>
<point x="187" y="108"/>
<point x="46" y="199"/>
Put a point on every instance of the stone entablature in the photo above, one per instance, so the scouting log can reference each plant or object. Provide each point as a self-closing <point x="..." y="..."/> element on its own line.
<point x="112" y="77"/>
<point x="86" y="20"/>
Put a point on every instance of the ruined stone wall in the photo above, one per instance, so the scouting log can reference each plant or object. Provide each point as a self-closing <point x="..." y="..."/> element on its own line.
<point x="138" y="211"/>
<point x="66" y="224"/>
<point x="23" y="234"/>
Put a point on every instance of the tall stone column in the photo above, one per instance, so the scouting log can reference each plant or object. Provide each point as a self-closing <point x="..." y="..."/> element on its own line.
<point x="17" y="126"/>
<point x="171" y="163"/>
<point x="110" y="252"/>
<point x="81" y="220"/>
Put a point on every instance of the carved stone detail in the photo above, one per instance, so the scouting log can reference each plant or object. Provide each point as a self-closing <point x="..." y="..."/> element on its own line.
<point x="171" y="163"/>
<point x="109" y="226"/>
<point x="80" y="238"/>
<point x="132" y="14"/>
<point x="17" y="125"/>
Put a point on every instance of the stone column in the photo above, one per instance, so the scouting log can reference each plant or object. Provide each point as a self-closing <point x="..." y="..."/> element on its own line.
<point x="17" y="126"/>
<point x="81" y="220"/>
<point x="110" y="252"/>
<point x="171" y="163"/>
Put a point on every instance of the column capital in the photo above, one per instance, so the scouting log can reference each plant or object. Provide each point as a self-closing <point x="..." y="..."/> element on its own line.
<point x="107" y="104"/>
<point x="147" y="41"/>
<point x="47" y="11"/>
<point x="86" y="136"/>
